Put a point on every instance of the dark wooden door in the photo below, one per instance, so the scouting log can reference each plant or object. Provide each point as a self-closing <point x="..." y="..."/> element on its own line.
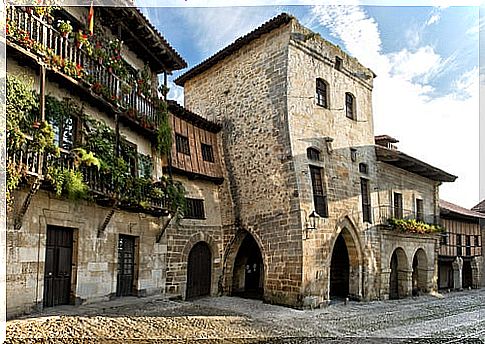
<point x="199" y="271"/>
<point x="58" y="266"/>
<point x="339" y="269"/>
<point x="393" y="279"/>
<point x="126" y="265"/>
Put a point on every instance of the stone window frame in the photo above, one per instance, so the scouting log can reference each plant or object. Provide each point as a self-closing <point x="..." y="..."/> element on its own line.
<point x="322" y="93"/>
<point x="319" y="191"/>
<point x="313" y="154"/>
<point x="195" y="209"/>
<point x="350" y="106"/>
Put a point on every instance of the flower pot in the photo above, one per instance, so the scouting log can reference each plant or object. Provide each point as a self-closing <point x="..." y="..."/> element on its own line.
<point x="65" y="35"/>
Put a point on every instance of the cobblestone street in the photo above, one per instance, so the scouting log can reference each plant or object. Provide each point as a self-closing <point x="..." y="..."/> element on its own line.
<point x="456" y="318"/>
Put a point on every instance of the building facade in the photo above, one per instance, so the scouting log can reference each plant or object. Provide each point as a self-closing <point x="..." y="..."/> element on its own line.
<point x="288" y="195"/>
<point x="298" y="140"/>
<point x="460" y="256"/>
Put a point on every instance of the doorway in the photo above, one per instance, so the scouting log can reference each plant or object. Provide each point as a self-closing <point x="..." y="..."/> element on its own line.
<point x="199" y="270"/>
<point x="58" y="266"/>
<point x="126" y="265"/>
<point x="339" y="269"/>
<point x="248" y="270"/>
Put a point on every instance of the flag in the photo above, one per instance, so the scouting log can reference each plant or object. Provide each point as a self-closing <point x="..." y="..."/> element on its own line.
<point x="91" y="19"/>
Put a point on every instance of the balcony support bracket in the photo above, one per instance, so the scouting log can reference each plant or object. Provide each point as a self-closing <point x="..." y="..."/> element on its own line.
<point x="163" y="228"/>
<point x="107" y="219"/>
<point x="25" y="206"/>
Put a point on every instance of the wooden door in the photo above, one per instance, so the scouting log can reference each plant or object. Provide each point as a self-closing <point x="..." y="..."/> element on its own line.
<point x="199" y="271"/>
<point x="58" y="266"/>
<point x="126" y="265"/>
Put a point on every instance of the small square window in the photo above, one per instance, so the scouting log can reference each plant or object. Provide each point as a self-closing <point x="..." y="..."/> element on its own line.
<point x="338" y="63"/>
<point x="207" y="153"/>
<point x="363" y="168"/>
<point x="313" y="154"/>
<point x="195" y="209"/>
<point x="182" y="144"/>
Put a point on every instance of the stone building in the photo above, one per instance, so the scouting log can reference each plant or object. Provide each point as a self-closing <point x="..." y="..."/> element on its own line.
<point x="460" y="258"/>
<point x="298" y="141"/>
<point x="288" y="192"/>
<point x="117" y="240"/>
<point x="480" y="207"/>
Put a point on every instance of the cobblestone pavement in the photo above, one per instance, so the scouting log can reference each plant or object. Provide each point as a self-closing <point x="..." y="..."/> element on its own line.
<point x="455" y="318"/>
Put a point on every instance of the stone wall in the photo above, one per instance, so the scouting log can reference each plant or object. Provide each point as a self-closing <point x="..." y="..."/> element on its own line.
<point x="334" y="135"/>
<point x="246" y="92"/>
<point x="94" y="266"/>
<point x="179" y="238"/>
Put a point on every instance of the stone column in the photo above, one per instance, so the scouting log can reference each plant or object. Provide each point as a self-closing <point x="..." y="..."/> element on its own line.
<point x="457" y="273"/>
<point x="405" y="282"/>
<point x="476" y="265"/>
<point x="384" y="292"/>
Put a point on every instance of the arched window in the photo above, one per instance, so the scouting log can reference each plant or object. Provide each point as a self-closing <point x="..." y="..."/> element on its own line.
<point x="322" y="93"/>
<point x="313" y="154"/>
<point x="350" y="105"/>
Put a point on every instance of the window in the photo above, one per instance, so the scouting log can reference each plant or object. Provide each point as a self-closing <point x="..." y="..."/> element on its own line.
<point x="366" y="202"/>
<point x="338" y="63"/>
<point x="64" y="127"/>
<point x="182" y="144"/>
<point x="468" y="249"/>
<point x="444" y="239"/>
<point x="145" y="166"/>
<point x="349" y="105"/>
<point x="477" y="241"/>
<point x="363" y="168"/>
<point x="195" y="209"/>
<point x="353" y="154"/>
<point x="207" y="153"/>
<point x="130" y="156"/>
<point x="397" y="205"/>
<point x="319" y="196"/>
<point x="458" y="245"/>
<point x="419" y="210"/>
<point x="322" y="93"/>
<point x="313" y="154"/>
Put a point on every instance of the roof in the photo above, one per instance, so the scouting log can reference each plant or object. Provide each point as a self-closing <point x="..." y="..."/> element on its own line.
<point x="385" y="138"/>
<point x="480" y="207"/>
<point x="191" y="117"/>
<point x="142" y="37"/>
<point x="269" y="26"/>
<point x="448" y="208"/>
<point x="408" y="163"/>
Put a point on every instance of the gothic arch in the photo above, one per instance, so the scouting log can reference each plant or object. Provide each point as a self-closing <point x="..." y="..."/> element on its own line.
<point x="231" y="255"/>
<point x="345" y="261"/>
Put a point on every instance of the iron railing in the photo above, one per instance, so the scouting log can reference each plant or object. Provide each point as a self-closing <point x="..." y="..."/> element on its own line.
<point x="45" y="38"/>
<point x="135" y="192"/>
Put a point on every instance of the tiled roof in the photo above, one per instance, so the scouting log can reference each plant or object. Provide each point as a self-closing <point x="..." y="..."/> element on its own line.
<point x="480" y="207"/>
<point x="269" y="26"/>
<point x="447" y="207"/>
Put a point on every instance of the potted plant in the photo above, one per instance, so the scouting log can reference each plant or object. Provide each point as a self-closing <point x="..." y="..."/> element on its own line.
<point x="65" y="27"/>
<point x="81" y="39"/>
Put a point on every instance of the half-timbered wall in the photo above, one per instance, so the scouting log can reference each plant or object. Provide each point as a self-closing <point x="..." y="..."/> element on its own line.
<point x="469" y="233"/>
<point x="194" y="162"/>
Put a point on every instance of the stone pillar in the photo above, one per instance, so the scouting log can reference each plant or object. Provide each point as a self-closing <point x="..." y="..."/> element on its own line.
<point x="476" y="265"/>
<point x="457" y="273"/>
<point x="405" y="282"/>
<point x="384" y="292"/>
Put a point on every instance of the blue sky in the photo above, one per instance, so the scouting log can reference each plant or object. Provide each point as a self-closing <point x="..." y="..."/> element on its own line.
<point x="426" y="61"/>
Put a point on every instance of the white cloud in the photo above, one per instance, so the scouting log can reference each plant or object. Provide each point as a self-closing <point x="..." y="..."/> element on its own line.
<point x="435" y="18"/>
<point x="176" y="93"/>
<point x="443" y="130"/>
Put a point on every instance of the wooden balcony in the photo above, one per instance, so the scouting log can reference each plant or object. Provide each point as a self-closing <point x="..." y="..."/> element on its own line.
<point x="137" y="194"/>
<point x="32" y="35"/>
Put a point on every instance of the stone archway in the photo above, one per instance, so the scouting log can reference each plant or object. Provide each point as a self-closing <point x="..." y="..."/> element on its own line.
<point x="398" y="279"/>
<point x="248" y="270"/>
<point x="420" y="272"/>
<point x="345" y="277"/>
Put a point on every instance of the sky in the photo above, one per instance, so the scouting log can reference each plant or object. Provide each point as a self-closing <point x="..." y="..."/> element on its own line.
<point x="426" y="58"/>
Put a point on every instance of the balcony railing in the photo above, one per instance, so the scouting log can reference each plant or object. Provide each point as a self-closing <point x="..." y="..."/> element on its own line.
<point x="31" y="32"/>
<point x="137" y="193"/>
<point x="383" y="213"/>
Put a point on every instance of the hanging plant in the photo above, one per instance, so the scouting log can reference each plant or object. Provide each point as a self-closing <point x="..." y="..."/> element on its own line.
<point x="65" y="27"/>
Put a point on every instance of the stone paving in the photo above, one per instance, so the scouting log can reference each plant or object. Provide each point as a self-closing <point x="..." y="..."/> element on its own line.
<point x="453" y="318"/>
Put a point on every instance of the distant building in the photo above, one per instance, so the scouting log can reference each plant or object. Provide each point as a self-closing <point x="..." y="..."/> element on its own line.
<point x="460" y="261"/>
